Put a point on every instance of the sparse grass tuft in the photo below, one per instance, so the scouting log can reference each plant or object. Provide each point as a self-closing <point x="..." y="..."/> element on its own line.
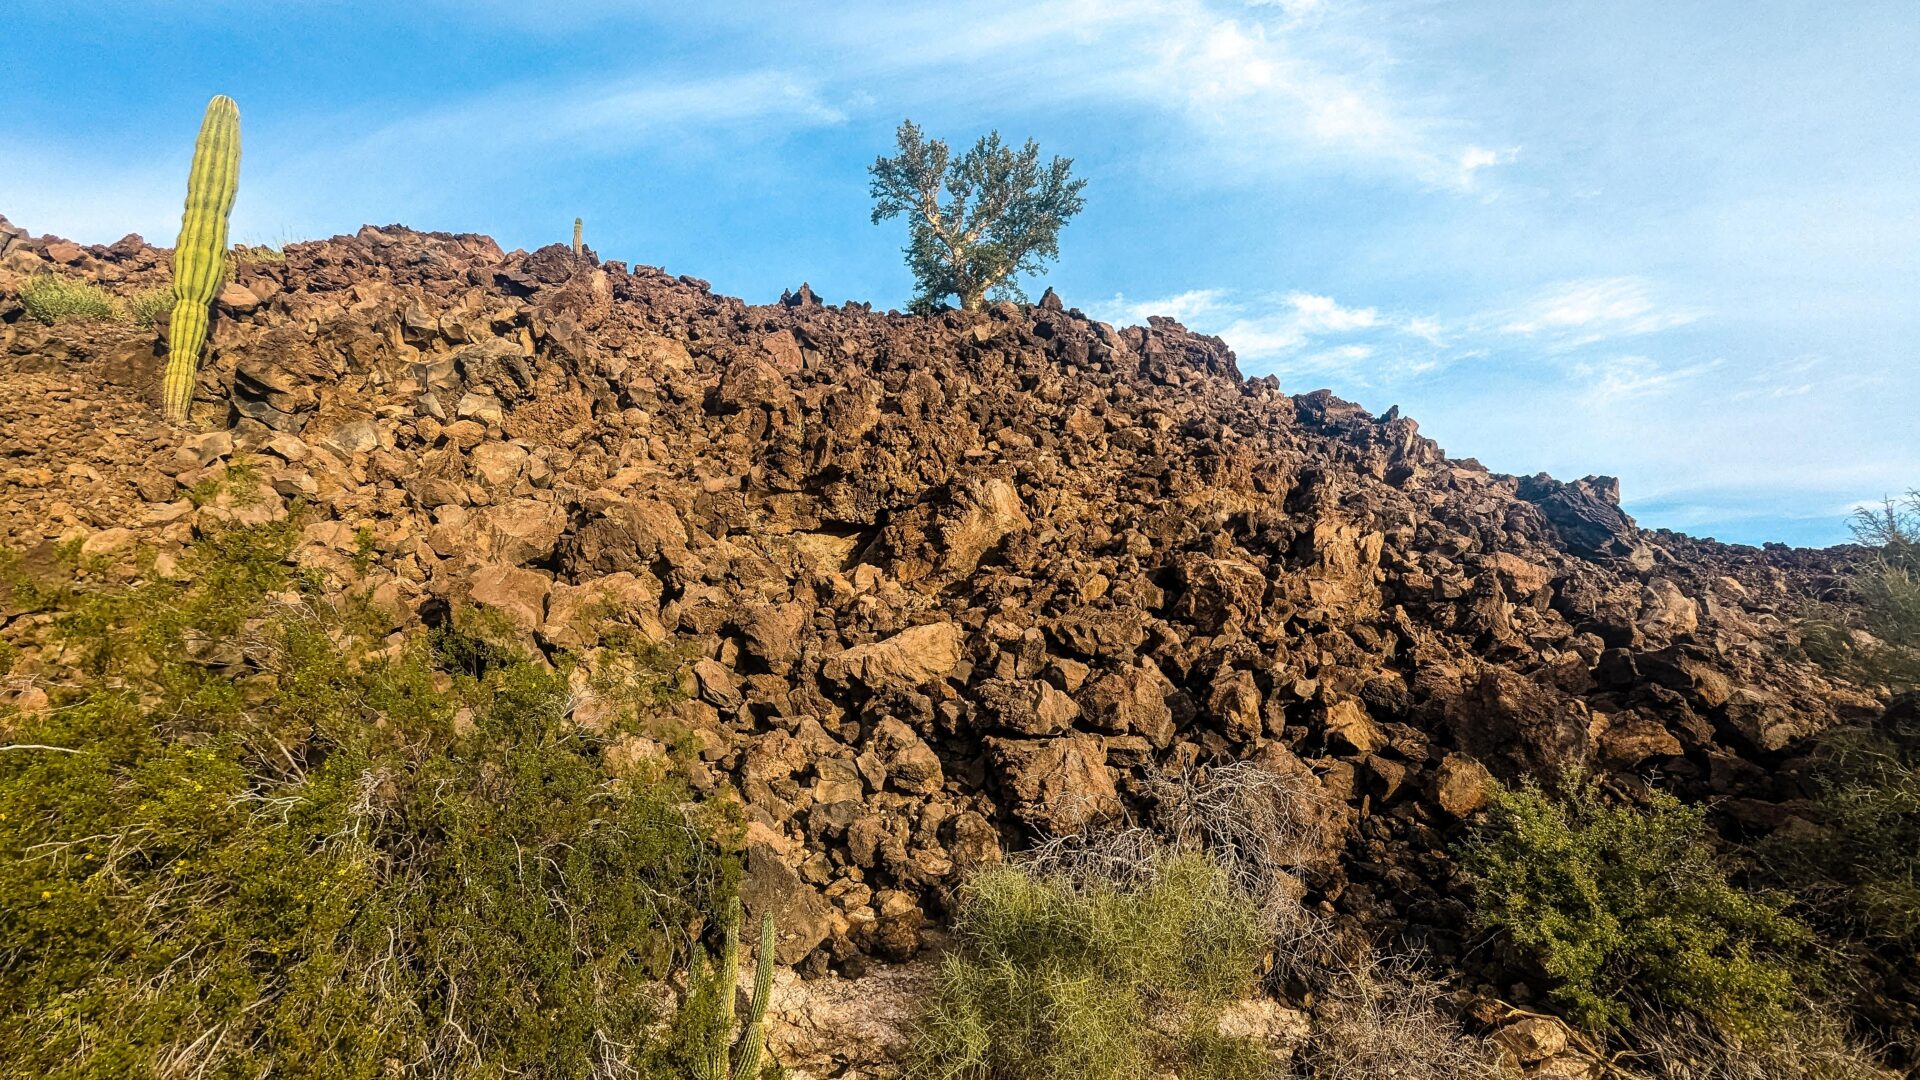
<point x="52" y="298"/>
<point x="1808" y="1046"/>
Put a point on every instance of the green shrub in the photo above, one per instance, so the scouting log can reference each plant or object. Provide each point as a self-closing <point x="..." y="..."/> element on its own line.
<point x="255" y="847"/>
<point x="1056" y="977"/>
<point x="55" y="299"/>
<point x="149" y="306"/>
<point x="1860" y="864"/>
<point x="1875" y="636"/>
<point x="1619" y="904"/>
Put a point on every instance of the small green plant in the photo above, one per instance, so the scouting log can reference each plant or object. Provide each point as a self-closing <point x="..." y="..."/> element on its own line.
<point x="148" y="306"/>
<point x="200" y="254"/>
<point x="52" y="298"/>
<point x="578" y="227"/>
<point x="1619" y="904"/>
<point x="976" y="221"/>
<point x="239" y="479"/>
<point x="1874" y="635"/>
<point x="1058" y="977"/>
<point x="364" y="549"/>
<point x="1861" y="861"/>
<point x="707" y="1023"/>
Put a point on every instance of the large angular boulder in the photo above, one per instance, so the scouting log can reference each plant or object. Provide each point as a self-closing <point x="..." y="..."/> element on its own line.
<point x="802" y="918"/>
<point x="1131" y="700"/>
<point x="913" y="657"/>
<point x="1058" y="786"/>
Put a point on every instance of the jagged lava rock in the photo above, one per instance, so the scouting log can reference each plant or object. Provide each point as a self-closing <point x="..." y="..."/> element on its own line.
<point x="955" y="581"/>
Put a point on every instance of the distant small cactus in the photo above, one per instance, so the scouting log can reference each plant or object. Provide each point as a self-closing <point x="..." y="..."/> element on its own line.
<point x="200" y="255"/>
<point x="576" y="237"/>
<point x="722" y="1059"/>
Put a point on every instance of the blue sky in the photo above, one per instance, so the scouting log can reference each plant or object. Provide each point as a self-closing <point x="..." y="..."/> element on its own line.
<point x="1674" y="242"/>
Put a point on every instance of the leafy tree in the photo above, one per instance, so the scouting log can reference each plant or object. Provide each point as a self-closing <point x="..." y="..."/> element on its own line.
<point x="976" y="220"/>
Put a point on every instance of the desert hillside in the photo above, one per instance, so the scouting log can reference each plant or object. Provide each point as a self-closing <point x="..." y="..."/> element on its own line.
<point x="944" y="587"/>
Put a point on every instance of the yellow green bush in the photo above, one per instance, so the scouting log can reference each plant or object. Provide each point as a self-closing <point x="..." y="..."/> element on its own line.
<point x="148" y="306"/>
<point x="52" y="298"/>
<point x="243" y="844"/>
<point x="1861" y="860"/>
<point x="1057" y="977"/>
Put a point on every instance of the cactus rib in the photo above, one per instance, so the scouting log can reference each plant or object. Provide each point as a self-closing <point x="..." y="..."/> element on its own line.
<point x="199" y="256"/>
<point x="753" y="1038"/>
<point x="722" y="1060"/>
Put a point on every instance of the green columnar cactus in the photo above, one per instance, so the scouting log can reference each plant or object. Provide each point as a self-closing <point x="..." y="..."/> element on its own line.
<point x="724" y="1061"/>
<point x="199" y="256"/>
<point x="576" y="236"/>
<point x="753" y="1040"/>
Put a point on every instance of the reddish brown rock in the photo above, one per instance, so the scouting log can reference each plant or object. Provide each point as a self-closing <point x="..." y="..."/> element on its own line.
<point x="1058" y="786"/>
<point x="1461" y="785"/>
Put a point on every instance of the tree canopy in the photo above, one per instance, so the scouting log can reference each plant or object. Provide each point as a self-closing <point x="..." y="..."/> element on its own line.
<point x="976" y="220"/>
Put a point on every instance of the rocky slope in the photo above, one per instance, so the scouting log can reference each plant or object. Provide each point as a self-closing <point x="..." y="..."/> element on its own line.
<point x="957" y="581"/>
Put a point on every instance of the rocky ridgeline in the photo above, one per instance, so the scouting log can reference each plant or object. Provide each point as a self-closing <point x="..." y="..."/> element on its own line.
<point x="957" y="581"/>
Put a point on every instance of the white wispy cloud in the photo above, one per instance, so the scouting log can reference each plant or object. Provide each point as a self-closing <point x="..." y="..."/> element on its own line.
<point x="1306" y="333"/>
<point x="1257" y="89"/>
<point x="1299" y="333"/>
<point x="1576" y="313"/>
<point x="1625" y="378"/>
<point x="1279" y="327"/>
<point x="1259" y="325"/>
<point x="1194" y="305"/>
<point x="1251" y="90"/>
<point x="1254" y="89"/>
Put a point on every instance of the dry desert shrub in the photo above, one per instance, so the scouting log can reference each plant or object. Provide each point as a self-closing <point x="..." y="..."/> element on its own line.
<point x="1813" y="1046"/>
<point x="1383" y="1019"/>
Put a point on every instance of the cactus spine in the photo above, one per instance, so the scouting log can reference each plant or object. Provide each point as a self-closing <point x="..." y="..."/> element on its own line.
<point x="720" y="1061"/>
<point x="199" y="256"/>
<point x="576" y="237"/>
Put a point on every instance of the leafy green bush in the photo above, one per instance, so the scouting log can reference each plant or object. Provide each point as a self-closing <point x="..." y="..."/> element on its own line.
<point x="1056" y="977"/>
<point x="243" y="843"/>
<point x="1619" y="904"/>
<point x="53" y="299"/>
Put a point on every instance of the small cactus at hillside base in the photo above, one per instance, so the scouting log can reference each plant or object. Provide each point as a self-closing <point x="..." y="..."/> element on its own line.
<point x="576" y="237"/>
<point x="722" y="1059"/>
<point x="199" y="256"/>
